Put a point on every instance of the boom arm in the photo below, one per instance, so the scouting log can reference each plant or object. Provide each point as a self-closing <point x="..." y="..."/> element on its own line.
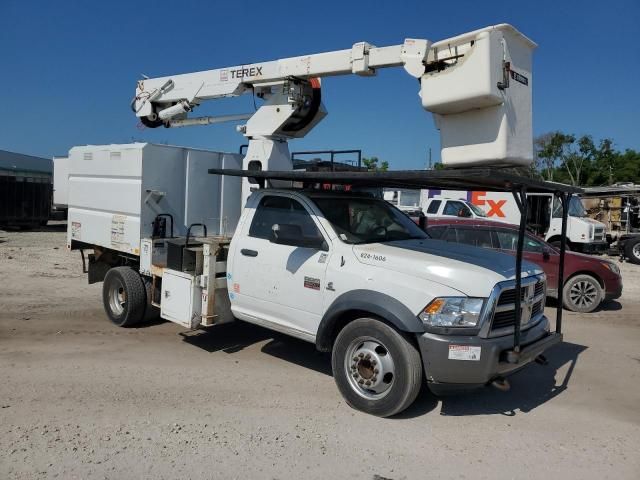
<point x="477" y="85"/>
<point x="192" y="88"/>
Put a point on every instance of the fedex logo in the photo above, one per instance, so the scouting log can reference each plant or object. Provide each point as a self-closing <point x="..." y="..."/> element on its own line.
<point x="495" y="207"/>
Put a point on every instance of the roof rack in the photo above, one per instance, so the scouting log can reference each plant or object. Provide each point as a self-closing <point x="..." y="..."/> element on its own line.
<point x="493" y="179"/>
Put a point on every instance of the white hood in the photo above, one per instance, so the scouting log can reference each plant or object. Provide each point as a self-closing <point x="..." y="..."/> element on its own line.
<point x="471" y="270"/>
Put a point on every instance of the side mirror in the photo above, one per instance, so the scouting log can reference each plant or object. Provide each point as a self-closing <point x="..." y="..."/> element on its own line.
<point x="422" y="222"/>
<point x="546" y="253"/>
<point x="287" y="234"/>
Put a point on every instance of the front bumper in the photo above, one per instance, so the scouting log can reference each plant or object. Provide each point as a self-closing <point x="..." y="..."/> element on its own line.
<point x="613" y="288"/>
<point x="593" y="247"/>
<point x="446" y="375"/>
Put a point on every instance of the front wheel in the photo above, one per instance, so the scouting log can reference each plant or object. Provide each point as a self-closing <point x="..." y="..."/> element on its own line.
<point x="632" y="250"/>
<point x="376" y="369"/>
<point x="582" y="293"/>
<point x="556" y="243"/>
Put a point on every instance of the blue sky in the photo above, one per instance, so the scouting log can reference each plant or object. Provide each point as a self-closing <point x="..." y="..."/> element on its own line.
<point x="68" y="68"/>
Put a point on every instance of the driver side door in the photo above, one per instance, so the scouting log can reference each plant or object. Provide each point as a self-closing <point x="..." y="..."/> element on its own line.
<point x="280" y="286"/>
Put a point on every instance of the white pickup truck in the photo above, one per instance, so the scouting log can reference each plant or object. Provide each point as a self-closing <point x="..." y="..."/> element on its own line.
<point x="358" y="278"/>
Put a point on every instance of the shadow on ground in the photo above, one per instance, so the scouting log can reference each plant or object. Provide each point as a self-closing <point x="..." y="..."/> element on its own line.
<point x="530" y="387"/>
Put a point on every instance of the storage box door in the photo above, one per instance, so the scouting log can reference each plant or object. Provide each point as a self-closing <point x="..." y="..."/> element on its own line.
<point x="177" y="299"/>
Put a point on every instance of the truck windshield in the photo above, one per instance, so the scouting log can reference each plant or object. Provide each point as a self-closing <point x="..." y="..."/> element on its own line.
<point x="576" y="209"/>
<point x="477" y="210"/>
<point x="367" y="220"/>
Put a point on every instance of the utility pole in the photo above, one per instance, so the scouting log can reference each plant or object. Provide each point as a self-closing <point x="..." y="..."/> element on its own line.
<point x="429" y="164"/>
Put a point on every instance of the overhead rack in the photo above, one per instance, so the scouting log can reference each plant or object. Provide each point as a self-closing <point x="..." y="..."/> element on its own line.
<point x="492" y="179"/>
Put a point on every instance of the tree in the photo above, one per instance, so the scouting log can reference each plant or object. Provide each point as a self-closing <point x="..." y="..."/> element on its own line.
<point x="544" y="158"/>
<point x="371" y="164"/>
<point x="566" y="158"/>
<point x="563" y="157"/>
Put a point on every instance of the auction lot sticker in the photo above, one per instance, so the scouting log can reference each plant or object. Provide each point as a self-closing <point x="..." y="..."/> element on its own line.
<point x="464" y="352"/>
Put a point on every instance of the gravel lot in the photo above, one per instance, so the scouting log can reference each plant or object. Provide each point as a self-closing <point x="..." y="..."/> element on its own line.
<point x="81" y="398"/>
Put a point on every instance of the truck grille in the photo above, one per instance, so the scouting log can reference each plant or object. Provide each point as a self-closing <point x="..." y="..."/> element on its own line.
<point x="532" y="298"/>
<point x="598" y="234"/>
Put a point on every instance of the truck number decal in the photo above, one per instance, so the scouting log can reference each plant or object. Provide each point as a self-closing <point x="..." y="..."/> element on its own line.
<point x="373" y="256"/>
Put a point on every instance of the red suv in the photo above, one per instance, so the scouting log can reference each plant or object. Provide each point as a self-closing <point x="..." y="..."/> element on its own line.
<point x="589" y="280"/>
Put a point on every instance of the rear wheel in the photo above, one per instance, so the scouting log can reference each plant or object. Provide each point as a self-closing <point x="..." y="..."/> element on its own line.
<point x="632" y="250"/>
<point x="582" y="293"/>
<point x="124" y="296"/>
<point x="376" y="368"/>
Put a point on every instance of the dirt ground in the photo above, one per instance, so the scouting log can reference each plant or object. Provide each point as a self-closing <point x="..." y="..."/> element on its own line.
<point x="81" y="398"/>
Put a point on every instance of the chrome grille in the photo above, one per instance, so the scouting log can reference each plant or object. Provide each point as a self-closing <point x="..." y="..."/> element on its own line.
<point x="598" y="234"/>
<point x="532" y="298"/>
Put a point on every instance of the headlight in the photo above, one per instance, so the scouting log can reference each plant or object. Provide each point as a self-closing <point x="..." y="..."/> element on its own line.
<point x="612" y="266"/>
<point x="452" y="312"/>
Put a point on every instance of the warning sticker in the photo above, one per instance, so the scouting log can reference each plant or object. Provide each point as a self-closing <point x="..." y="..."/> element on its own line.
<point x="464" y="352"/>
<point x="76" y="228"/>
<point x="117" y="230"/>
<point x="312" y="283"/>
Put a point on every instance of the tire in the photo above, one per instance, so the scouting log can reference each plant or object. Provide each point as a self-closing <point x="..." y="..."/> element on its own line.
<point x="556" y="243"/>
<point x="124" y="296"/>
<point x="632" y="250"/>
<point x="582" y="294"/>
<point x="377" y="346"/>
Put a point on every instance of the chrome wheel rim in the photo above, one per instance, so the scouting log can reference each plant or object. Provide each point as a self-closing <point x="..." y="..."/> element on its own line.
<point x="636" y="251"/>
<point x="583" y="293"/>
<point x="369" y="367"/>
<point x="117" y="298"/>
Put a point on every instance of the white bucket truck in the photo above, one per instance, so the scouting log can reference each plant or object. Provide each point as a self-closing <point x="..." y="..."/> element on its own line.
<point x="343" y="270"/>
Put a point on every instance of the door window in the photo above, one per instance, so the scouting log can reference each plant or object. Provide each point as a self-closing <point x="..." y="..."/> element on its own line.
<point x="508" y="240"/>
<point x="433" y="206"/>
<point x="453" y="208"/>
<point x="436" y="232"/>
<point x="478" y="237"/>
<point x="284" y="211"/>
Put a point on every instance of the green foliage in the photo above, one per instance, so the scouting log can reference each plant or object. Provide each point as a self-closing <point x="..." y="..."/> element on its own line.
<point x="371" y="164"/>
<point x="575" y="160"/>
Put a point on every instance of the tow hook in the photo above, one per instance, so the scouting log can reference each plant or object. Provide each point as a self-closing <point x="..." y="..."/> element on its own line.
<point x="501" y="384"/>
<point x="541" y="360"/>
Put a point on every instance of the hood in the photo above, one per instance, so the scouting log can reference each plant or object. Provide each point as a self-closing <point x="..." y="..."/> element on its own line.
<point x="471" y="270"/>
<point x="593" y="222"/>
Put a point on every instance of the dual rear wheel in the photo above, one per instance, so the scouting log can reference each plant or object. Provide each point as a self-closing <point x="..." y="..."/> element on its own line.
<point x="127" y="297"/>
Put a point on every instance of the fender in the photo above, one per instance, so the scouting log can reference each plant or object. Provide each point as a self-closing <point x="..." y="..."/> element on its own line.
<point x="376" y="303"/>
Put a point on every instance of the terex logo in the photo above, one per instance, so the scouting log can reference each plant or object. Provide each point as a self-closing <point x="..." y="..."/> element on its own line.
<point x="246" y="72"/>
<point x="495" y="206"/>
